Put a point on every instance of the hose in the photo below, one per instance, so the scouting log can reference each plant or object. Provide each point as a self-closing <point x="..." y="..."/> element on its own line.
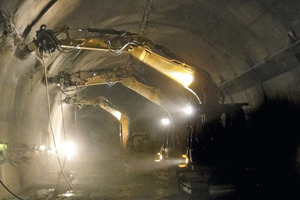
<point x="8" y="190"/>
<point x="52" y="132"/>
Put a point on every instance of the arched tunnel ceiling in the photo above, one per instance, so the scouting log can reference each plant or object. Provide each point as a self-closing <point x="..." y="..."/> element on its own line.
<point x="230" y="40"/>
<point x="224" y="38"/>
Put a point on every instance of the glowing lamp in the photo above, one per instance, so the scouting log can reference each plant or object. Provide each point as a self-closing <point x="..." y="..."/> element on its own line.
<point x="69" y="150"/>
<point x="42" y="147"/>
<point x="165" y="121"/>
<point x="184" y="161"/>
<point x="188" y="110"/>
<point x="184" y="79"/>
<point x="117" y="114"/>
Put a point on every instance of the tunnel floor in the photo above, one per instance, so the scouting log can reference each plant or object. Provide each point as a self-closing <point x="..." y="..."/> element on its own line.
<point x="102" y="187"/>
<point x="109" y="184"/>
<point x="95" y="181"/>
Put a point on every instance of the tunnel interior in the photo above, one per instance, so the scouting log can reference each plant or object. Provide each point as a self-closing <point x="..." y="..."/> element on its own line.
<point x="83" y="117"/>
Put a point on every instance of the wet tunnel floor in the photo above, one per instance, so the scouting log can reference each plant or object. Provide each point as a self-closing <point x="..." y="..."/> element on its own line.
<point x="102" y="187"/>
<point x="123" y="186"/>
<point x="103" y="178"/>
<point x="105" y="183"/>
<point x="135" y="186"/>
<point x="97" y="179"/>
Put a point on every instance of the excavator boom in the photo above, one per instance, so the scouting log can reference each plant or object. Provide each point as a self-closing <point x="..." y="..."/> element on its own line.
<point x="134" y="44"/>
<point x="178" y="71"/>
<point x="103" y="103"/>
<point x="111" y="77"/>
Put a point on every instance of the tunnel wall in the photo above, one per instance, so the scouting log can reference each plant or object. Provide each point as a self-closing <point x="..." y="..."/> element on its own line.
<point x="23" y="114"/>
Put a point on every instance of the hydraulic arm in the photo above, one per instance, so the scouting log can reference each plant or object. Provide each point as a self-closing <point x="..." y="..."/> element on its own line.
<point x="180" y="72"/>
<point x="103" y="103"/>
<point x="118" y="42"/>
<point x="69" y="82"/>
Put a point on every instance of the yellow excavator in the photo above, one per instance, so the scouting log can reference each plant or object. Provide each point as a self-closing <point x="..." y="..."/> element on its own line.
<point x="205" y="126"/>
<point x="103" y="103"/>
<point x="117" y="42"/>
<point x="72" y="83"/>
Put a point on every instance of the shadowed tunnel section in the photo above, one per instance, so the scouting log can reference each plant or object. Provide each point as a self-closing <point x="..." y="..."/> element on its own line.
<point x="276" y="153"/>
<point x="240" y="51"/>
